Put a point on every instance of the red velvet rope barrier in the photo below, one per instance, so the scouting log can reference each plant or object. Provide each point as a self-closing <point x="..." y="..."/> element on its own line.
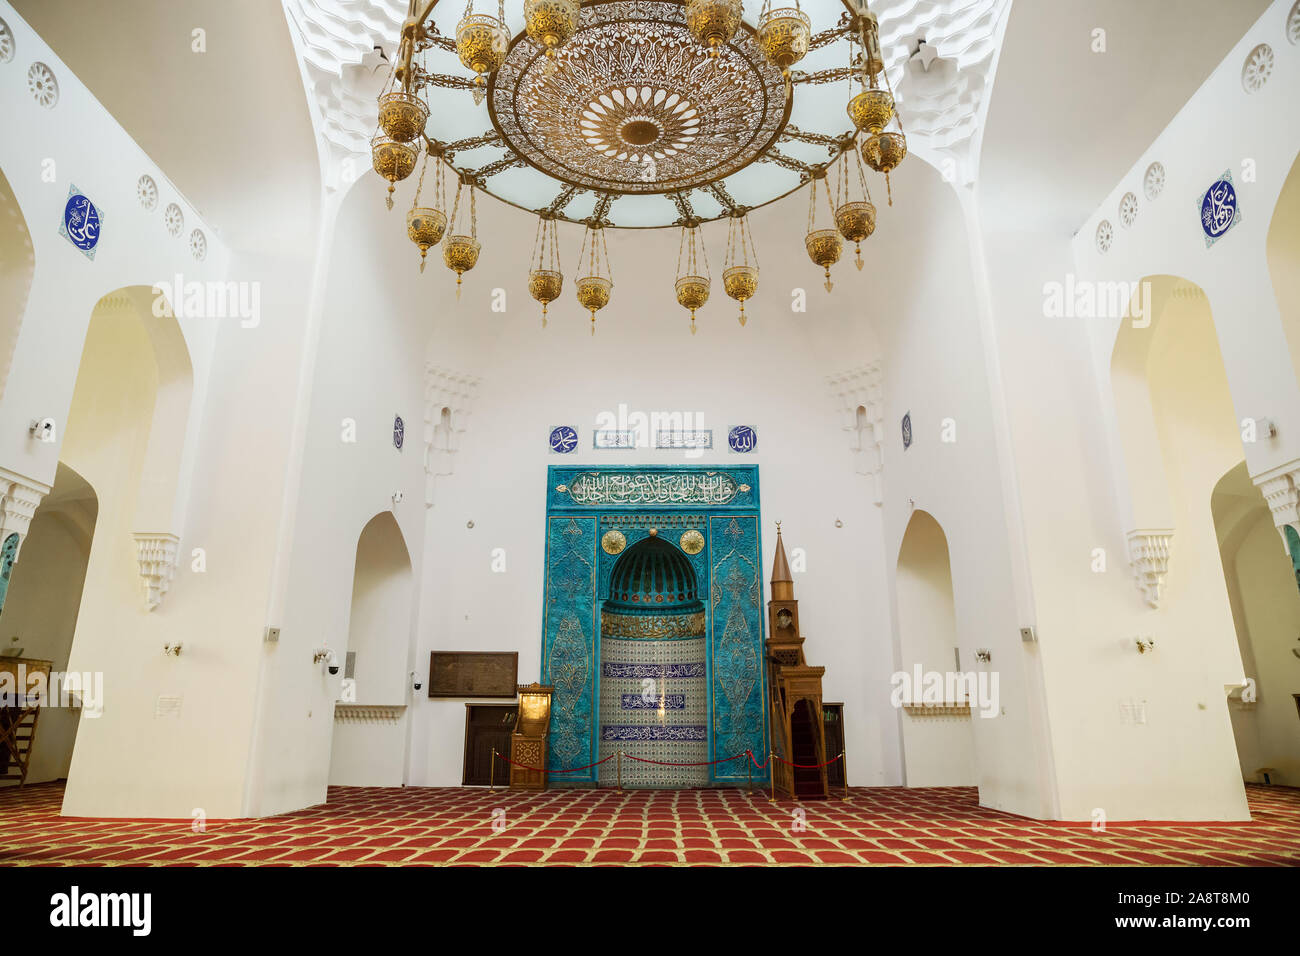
<point x="797" y="766"/>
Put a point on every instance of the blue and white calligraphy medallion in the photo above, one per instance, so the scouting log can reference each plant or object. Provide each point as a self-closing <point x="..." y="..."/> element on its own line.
<point x="81" y="222"/>
<point x="742" y="439"/>
<point x="399" y="432"/>
<point x="1218" y="208"/>
<point x="563" y="440"/>
<point x="907" y="430"/>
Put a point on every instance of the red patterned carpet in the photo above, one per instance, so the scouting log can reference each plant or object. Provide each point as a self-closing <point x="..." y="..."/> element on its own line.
<point x="437" y="826"/>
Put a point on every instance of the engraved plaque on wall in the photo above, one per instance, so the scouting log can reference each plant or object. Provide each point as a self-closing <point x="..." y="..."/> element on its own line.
<point x="473" y="673"/>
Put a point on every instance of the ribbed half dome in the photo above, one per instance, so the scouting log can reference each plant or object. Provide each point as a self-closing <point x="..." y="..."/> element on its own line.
<point x="653" y="575"/>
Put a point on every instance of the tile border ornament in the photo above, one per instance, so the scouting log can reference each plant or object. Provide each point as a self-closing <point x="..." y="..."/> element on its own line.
<point x="156" y="557"/>
<point x="1218" y="208"/>
<point x="1149" y="551"/>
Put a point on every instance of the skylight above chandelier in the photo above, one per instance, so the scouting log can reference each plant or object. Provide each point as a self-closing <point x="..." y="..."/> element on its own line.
<point x="639" y="113"/>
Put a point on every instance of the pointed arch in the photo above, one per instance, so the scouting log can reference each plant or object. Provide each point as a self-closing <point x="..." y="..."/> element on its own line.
<point x="937" y="750"/>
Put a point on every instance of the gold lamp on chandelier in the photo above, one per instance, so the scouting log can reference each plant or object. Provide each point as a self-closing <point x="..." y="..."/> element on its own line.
<point x="481" y="43"/>
<point x="693" y="283"/>
<point x="873" y="108"/>
<point x="714" y="22"/>
<point x="425" y="225"/>
<point x="545" y="279"/>
<point x="824" y="245"/>
<point x="460" y="251"/>
<point x="594" y="287"/>
<point x="854" y="218"/>
<point x="783" y="35"/>
<point x="551" y="23"/>
<point x="740" y="276"/>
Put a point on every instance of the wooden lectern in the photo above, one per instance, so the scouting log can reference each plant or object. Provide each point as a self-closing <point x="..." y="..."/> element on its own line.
<point x="528" y="740"/>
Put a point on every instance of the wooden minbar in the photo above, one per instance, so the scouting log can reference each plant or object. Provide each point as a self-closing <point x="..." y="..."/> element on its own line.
<point x="794" y="693"/>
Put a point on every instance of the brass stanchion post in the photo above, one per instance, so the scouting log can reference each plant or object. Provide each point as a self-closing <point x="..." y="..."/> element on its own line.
<point x="620" y="771"/>
<point x="492" y="780"/>
<point x="844" y="769"/>
<point x="749" y="771"/>
<point x="771" y="775"/>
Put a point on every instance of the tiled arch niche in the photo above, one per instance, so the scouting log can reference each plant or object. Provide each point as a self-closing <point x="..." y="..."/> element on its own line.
<point x="595" y="515"/>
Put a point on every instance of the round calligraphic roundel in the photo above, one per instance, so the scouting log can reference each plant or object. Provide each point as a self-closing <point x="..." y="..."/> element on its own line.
<point x="81" y="222"/>
<point x="635" y="104"/>
<point x="742" y="439"/>
<point x="692" y="541"/>
<point x="399" y="432"/>
<point x="564" y="439"/>
<point x="613" y="541"/>
<point x="1218" y="208"/>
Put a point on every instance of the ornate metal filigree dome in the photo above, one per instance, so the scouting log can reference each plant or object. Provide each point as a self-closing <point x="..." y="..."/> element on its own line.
<point x="680" y="110"/>
<point x="633" y="103"/>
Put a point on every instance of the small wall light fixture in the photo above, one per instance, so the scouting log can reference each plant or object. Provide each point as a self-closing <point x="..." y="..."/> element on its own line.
<point x="174" y="649"/>
<point x="1145" y="645"/>
<point x="983" y="655"/>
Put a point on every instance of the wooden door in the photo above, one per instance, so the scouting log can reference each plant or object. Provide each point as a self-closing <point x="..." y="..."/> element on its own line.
<point x="833" y="716"/>
<point x="487" y="726"/>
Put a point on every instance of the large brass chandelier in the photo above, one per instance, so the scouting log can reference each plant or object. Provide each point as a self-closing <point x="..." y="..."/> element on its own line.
<point x="680" y="110"/>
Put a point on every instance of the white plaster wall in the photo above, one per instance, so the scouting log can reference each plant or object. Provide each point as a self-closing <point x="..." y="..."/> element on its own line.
<point x="1074" y="499"/>
<point x="234" y="456"/>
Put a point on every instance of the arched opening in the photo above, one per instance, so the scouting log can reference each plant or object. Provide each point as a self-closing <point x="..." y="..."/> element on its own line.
<point x="653" y="687"/>
<point x="38" y="614"/>
<point x="1282" y="249"/>
<point x="938" y="745"/>
<point x="1265" y="602"/>
<point x="1178" y="433"/>
<point x="369" y="743"/>
<point x="17" y="265"/>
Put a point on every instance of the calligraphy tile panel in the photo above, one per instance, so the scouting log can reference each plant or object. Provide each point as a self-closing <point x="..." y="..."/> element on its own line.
<point x="736" y="641"/>
<point x="569" y="642"/>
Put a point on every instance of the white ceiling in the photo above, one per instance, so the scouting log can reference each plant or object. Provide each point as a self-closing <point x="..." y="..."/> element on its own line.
<point x="230" y="127"/>
<point x="1065" y="123"/>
